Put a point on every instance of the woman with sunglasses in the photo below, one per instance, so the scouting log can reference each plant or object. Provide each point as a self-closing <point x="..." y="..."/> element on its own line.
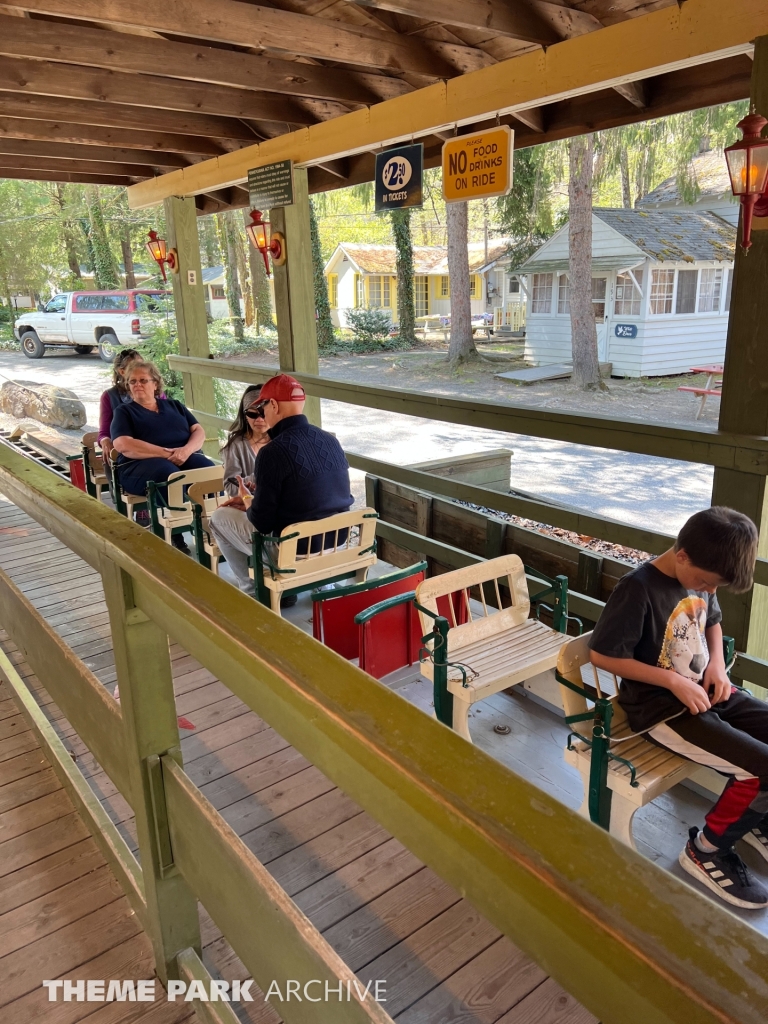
<point x="247" y="436"/>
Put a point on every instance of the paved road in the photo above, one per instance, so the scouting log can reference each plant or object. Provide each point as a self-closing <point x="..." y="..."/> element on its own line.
<point x="637" y="489"/>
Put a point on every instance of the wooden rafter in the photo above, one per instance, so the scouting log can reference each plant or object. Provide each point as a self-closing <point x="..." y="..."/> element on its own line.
<point x="67" y="81"/>
<point x="31" y="150"/>
<point x="100" y="48"/>
<point x="242" y="24"/>
<point x="67" y="177"/>
<point x="98" y="135"/>
<point x="698" y="32"/>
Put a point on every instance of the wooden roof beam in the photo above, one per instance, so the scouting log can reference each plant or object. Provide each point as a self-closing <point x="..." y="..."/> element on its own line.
<point x="121" y="115"/>
<point x="98" y="135"/>
<point x="68" y="177"/>
<point x="698" y="32"/>
<point x="46" y="78"/>
<point x="101" y="48"/>
<point x="634" y="92"/>
<point x="532" y="118"/>
<point x="240" y="24"/>
<point x="55" y="164"/>
<point x="29" y="149"/>
<point x="531" y="20"/>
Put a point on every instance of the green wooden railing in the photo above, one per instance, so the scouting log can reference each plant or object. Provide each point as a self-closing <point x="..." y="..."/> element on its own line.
<point x="630" y="941"/>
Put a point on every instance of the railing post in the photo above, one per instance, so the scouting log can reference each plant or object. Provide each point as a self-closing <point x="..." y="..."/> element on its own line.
<point x="143" y="664"/>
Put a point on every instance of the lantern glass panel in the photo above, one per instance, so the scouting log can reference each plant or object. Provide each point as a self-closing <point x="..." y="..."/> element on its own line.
<point x="748" y="168"/>
<point x="157" y="249"/>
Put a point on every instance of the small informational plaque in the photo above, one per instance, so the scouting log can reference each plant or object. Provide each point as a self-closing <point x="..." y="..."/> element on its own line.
<point x="399" y="174"/>
<point x="271" y="186"/>
<point x="625" y="330"/>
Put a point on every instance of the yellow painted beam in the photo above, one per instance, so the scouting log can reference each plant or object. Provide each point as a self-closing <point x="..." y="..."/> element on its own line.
<point x="667" y="40"/>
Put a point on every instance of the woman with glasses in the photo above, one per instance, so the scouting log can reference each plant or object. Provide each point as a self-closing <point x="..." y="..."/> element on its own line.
<point x="114" y="396"/>
<point x="155" y="436"/>
<point x="247" y="436"/>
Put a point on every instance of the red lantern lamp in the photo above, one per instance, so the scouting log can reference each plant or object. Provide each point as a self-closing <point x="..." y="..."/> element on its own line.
<point x="748" y="170"/>
<point x="268" y="244"/>
<point x="158" y="250"/>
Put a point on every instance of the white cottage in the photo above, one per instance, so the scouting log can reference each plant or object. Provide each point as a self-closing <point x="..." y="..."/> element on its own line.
<point x="363" y="275"/>
<point x="661" y="291"/>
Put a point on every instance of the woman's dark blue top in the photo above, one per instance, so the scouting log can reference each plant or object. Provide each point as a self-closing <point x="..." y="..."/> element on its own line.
<point x="169" y="427"/>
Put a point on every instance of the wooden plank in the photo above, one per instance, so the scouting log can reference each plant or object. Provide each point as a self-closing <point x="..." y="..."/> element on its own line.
<point x="251" y="812"/>
<point x="71" y="946"/>
<point x="45" y="78"/>
<point x="302" y="825"/>
<point x="42" y="130"/>
<point x="48" y="874"/>
<point x="267" y="27"/>
<point x="28" y="150"/>
<point x="660" y="41"/>
<point x="73" y="901"/>
<point x="56" y="835"/>
<point x="21" y="766"/>
<point x="45" y="809"/>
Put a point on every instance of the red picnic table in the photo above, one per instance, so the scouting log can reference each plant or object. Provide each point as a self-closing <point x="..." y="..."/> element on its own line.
<point x="712" y="387"/>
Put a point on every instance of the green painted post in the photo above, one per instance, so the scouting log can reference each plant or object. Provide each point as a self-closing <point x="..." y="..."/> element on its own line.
<point x="442" y="696"/>
<point x="143" y="664"/>
<point x="744" y="405"/>
<point x="560" y="605"/>
<point x="295" y="289"/>
<point x="599" y="797"/>
<point x="189" y="302"/>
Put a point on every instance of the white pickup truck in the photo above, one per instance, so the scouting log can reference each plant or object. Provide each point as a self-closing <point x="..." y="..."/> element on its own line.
<point x="85" y="320"/>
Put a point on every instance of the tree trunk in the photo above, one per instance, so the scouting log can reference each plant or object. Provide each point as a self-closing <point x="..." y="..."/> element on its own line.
<point x="125" y="245"/>
<point x="406" y="311"/>
<point x="67" y="232"/>
<point x="242" y="268"/>
<point x="260" y="293"/>
<point x="462" y="344"/>
<point x="325" y="334"/>
<point x="230" y="276"/>
<point x="626" y="188"/>
<point x="209" y="245"/>
<point x="586" y="373"/>
<point x="105" y="265"/>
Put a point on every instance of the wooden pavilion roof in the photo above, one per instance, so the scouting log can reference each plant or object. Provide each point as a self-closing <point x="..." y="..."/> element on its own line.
<point x="111" y="92"/>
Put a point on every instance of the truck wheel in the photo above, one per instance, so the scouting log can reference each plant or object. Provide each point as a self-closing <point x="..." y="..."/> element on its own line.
<point x="84" y="350"/>
<point x="31" y="345"/>
<point x="109" y="346"/>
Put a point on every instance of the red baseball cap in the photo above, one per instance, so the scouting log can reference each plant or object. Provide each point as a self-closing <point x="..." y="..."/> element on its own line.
<point x="283" y="389"/>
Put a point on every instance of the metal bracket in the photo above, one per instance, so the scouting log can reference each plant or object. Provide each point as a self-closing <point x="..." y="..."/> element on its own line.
<point x="165" y="863"/>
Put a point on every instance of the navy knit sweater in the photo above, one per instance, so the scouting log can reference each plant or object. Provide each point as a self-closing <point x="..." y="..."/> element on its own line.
<point x="301" y="475"/>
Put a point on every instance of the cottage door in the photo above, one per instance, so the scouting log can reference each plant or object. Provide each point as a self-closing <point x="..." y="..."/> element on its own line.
<point x="600" y="307"/>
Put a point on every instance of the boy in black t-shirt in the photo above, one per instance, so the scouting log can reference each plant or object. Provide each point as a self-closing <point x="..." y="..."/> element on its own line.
<point x="660" y="631"/>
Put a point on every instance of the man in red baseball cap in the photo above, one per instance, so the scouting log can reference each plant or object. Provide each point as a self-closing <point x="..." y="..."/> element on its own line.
<point x="302" y="475"/>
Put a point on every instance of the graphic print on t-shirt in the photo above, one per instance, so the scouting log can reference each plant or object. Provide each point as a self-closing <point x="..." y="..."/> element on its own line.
<point x="684" y="649"/>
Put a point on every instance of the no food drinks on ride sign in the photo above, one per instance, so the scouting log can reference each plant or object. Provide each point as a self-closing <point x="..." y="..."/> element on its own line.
<point x="478" y="166"/>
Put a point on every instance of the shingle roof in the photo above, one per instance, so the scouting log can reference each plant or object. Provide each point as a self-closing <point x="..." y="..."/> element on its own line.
<point x="427" y="259"/>
<point x="212" y="274"/>
<point x="710" y="173"/>
<point x="674" y="235"/>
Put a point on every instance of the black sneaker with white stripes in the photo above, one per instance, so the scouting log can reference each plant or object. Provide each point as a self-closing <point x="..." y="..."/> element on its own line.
<point x="725" y="873"/>
<point x="759" y="839"/>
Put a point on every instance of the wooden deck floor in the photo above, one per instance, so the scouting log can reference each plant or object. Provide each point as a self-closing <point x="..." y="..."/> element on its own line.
<point x="387" y="915"/>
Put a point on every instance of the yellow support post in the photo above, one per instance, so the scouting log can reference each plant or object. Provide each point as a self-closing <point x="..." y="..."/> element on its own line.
<point x="189" y="301"/>
<point x="143" y="664"/>
<point x="295" y="290"/>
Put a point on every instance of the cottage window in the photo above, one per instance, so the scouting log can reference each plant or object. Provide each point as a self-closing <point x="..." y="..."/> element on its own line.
<point x="710" y="287"/>
<point x="474" y="286"/>
<point x="563" y="294"/>
<point x="628" y="295"/>
<point x="728" y="289"/>
<point x="359" y="291"/>
<point x="443" y="287"/>
<point x="217" y="291"/>
<point x="333" y="290"/>
<point x="598" y="298"/>
<point x="687" y="281"/>
<point x="542" y="293"/>
<point x="378" y="291"/>
<point x="662" y="289"/>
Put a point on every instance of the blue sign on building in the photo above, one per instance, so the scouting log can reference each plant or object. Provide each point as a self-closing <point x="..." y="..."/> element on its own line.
<point x="399" y="174"/>
<point x="625" y="330"/>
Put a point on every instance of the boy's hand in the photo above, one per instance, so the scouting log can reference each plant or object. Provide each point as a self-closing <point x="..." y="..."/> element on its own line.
<point x="690" y="693"/>
<point x="236" y="502"/>
<point x="716" y="681"/>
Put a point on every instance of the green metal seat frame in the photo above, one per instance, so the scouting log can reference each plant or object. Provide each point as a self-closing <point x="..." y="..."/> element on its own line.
<point x="600" y="795"/>
<point x="116" y="493"/>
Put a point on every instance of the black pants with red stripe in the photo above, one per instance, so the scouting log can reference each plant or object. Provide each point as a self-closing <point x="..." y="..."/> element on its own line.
<point x="732" y="738"/>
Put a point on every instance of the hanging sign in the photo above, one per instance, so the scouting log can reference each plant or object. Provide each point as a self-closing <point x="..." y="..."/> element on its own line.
<point x="271" y="186"/>
<point x="399" y="174"/>
<point x="478" y="166"/>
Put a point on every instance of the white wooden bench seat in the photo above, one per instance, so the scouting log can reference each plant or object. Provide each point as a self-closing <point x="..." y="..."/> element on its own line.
<point x="656" y="770"/>
<point x="500" y="648"/>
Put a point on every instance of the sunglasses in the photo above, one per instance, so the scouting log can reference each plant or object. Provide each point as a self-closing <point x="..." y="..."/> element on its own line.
<point x="256" y="412"/>
<point x="141" y="380"/>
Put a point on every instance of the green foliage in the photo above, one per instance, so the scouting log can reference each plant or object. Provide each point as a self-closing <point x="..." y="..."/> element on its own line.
<point x="401" y="229"/>
<point x="104" y="263"/>
<point x="227" y="242"/>
<point x="325" y="332"/>
<point x="527" y="213"/>
<point x="369" y="326"/>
